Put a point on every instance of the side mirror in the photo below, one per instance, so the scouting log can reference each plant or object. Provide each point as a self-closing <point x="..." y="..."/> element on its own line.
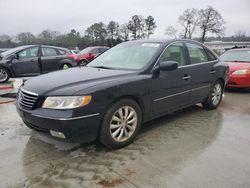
<point x="165" y="66"/>
<point x="14" y="56"/>
<point x="168" y="65"/>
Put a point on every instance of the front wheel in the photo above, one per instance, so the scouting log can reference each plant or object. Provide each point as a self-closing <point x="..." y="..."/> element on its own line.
<point x="4" y="75"/>
<point x="83" y="62"/>
<point x="120" y="124"/>
<point x="214" y="98"/>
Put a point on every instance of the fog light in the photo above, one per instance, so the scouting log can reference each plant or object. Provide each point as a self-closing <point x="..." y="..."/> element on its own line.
<point x="57" y="134"/>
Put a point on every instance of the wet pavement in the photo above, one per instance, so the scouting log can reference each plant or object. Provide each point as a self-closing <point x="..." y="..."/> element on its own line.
<point x="189" y="148"/>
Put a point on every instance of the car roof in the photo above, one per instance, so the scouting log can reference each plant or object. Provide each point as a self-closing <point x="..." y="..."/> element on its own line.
<point x="55" y="47"/>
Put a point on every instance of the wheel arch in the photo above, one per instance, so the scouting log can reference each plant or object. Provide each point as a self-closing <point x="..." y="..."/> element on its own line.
<point x="8" y="69"/>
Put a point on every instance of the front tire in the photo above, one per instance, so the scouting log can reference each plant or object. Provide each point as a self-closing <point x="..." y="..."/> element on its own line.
<point x="214" y="98"/>
<point x="4" y="75"/>
<point x="121" y="123"/>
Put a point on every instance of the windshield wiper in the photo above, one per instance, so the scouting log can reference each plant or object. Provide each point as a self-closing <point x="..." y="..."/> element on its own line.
<point x="102" y="67"/>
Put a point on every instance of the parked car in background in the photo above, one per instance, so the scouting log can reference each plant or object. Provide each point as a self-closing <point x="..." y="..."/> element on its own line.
<point x="88" y="54"/>
<point x="74" y="51"/>
<point x="3" y="49"/>
<point x="33" y="60"/>
<point x="113" y="95"/>
<point x="239" y="67"/>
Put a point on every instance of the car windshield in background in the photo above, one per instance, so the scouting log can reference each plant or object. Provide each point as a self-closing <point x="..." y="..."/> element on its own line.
<point x="236" y="56"/>
<point x="133" y="56"/>
<point x="85" y="50"/>
<point x="10" y="51"/>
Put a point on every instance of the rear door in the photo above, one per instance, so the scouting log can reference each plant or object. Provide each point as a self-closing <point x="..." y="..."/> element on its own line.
<point x="202" y="72"/>
<point x="171" y="90"/>
<point x="50" y="59"/>
<point x="27" y="62"/>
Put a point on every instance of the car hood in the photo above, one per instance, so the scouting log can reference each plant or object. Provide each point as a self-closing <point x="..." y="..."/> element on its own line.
<point x="70" y="81"/>
<point x="233" y="66"/>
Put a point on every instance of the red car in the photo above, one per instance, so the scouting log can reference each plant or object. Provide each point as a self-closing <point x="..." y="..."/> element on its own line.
<point x="88" y="54"/>
<point x="239" y="67"/>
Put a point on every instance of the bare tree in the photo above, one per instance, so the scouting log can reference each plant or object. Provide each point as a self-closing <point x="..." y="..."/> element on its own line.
<point x="171" y="32"/>
<point x="124" y="32"/>
<point x="210" y="21"/>
<point x="5" y="37"/>
<point x="189" y="21"/>
<point x="150" y="25"/>
<point x="26" y="38"/>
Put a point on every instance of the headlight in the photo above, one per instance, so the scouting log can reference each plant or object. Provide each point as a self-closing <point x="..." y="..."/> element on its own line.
<point x="242" y="72"/>
<point x="66" y="102"/>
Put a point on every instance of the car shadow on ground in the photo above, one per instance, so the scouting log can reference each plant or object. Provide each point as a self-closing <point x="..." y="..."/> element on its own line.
<point x="238" y="90"/>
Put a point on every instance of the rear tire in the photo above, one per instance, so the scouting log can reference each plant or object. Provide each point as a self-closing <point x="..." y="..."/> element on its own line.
<point x="214" y="98"/>
<point x="121" y="123"/>
<point x="4" y="75"/>
<point x="83" y="62"/>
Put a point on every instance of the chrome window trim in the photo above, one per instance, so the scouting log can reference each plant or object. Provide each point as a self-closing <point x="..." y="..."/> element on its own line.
<point x="180" y="93"/>
<point x="66" y="119"/>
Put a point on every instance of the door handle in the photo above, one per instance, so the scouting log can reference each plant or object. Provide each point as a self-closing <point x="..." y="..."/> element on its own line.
<point x="212" y="72"/>
<point x="186" y="77"/>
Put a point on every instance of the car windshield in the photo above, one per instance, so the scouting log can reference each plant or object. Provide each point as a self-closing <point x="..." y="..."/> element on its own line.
<point x="132" y="56"/>
<point x="85" y="50"/>
<point x="10" y="51"/>
<point x="236" y="56"/>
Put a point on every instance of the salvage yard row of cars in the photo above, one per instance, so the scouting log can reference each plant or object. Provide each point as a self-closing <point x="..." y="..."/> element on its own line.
<point x="33" y="60"/>
<point x="116" y="91"/>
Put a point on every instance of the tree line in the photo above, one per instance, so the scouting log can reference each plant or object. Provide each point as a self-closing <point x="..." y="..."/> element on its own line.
<point x="96" y="34"/>
<point x="198" y="24"/>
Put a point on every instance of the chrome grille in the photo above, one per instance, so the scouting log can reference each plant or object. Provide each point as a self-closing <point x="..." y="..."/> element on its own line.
<point x="27" y="99"/>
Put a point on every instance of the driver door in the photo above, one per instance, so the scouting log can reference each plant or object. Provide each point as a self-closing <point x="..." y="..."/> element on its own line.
<point x="171" y="89"/>
<point x="26" y="63"/>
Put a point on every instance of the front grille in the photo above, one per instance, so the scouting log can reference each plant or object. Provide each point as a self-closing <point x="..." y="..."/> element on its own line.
<point x="27" y="99"/>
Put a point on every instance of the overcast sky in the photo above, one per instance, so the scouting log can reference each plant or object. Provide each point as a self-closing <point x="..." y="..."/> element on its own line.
<point x="63" y="15"/>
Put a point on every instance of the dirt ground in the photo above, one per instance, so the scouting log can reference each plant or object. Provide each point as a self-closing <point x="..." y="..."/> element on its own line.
<point x="190" y="148"/>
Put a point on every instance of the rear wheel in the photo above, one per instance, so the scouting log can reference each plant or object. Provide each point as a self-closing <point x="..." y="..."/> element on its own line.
<point x="4" y="75"/>
<point x="214" y="98"/>
<point x="83" y="62"/>
<point x="120" y="124"/>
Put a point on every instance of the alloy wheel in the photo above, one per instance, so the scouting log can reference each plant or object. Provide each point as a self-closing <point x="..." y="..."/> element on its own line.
<point x="123" y="123"/>
<point x="216" y="94"/>
<point x="3" y="75"/>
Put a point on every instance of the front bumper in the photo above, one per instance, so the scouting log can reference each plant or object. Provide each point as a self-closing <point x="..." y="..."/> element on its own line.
<point x="240" y="81"/>
<point x="80" y="129"/>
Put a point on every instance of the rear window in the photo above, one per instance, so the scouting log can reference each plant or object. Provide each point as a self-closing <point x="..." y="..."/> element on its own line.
<point x="61" y="52"/>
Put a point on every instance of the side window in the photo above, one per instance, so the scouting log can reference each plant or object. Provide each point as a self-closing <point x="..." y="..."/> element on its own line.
<point x="95" y="51"/>
<point x="102" y="50"/>
<point x="211" y="56"/>
<point x="49" y="51"/>
<point x="175" y="52"/>
<point x="27" y="53"/>
<point x="196" y="53"/>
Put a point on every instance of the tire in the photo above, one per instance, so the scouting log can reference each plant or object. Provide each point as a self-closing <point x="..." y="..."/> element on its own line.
<point x="83" y="62"/>
<point x="4" y="75"/>
<point x="65" y="66"/>
<point x="122" y="131"/>
<point x="214" y="98"/>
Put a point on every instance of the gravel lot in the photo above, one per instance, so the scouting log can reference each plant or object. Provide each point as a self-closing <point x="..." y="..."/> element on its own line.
<point x="190" y="148"/>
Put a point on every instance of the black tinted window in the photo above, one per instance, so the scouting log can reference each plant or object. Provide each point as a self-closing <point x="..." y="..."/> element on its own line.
<point x="196" y="53"/>
<point x="48" y="51"/>
<point x="175" y="52"/>
<point x="30" y="52"/>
